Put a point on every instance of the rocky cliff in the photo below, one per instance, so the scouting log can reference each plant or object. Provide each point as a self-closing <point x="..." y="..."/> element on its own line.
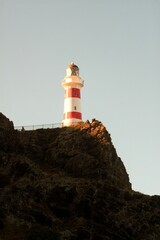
<point x="69" y="184"/>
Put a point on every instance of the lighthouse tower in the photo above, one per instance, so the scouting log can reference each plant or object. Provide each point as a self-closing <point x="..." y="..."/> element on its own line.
<point x="72" y="84"/>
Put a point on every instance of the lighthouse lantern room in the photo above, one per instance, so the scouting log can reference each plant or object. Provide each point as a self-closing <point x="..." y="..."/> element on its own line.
<point x="72" y="85"/>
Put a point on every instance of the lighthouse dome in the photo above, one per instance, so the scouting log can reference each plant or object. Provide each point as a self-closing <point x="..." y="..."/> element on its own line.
<point x="72" y="70"/>
<point x="72" y="65"/>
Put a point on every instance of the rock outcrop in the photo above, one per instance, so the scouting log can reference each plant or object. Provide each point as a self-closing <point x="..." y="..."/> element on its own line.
<point x="5" y="123"/>
<point x="69" y="184"/>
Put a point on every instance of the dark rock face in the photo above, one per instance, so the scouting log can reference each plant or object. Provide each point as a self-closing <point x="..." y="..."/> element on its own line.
<point x="86" y="151"/>
<point x="5" y="123"/>
<point x="69" y="184"/>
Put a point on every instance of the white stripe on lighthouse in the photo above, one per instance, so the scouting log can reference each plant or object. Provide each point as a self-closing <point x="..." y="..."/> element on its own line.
<point x="72" y="104"/>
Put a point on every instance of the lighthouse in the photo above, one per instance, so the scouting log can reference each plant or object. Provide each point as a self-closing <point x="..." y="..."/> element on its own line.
<point x="72" y="85"/>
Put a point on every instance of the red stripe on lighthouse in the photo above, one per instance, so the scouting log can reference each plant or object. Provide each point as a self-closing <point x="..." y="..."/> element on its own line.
<point x="74" y="93"/>
<point x="77" y="115"/>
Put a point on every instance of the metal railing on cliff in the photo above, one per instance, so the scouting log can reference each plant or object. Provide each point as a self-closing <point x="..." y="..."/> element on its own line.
<point x="35" y="127"/>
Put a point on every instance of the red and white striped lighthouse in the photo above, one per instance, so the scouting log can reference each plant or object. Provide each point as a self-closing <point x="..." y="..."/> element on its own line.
<point x="72" y="84"/>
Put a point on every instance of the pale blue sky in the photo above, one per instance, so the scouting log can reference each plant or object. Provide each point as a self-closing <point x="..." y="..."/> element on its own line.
<point x="115" y="43"/>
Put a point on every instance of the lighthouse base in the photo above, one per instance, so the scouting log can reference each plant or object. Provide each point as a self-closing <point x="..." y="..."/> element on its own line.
<point x="69" y="122"/>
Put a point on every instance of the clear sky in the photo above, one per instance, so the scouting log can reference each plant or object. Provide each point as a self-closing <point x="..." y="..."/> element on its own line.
<point x="115" y="43"/>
